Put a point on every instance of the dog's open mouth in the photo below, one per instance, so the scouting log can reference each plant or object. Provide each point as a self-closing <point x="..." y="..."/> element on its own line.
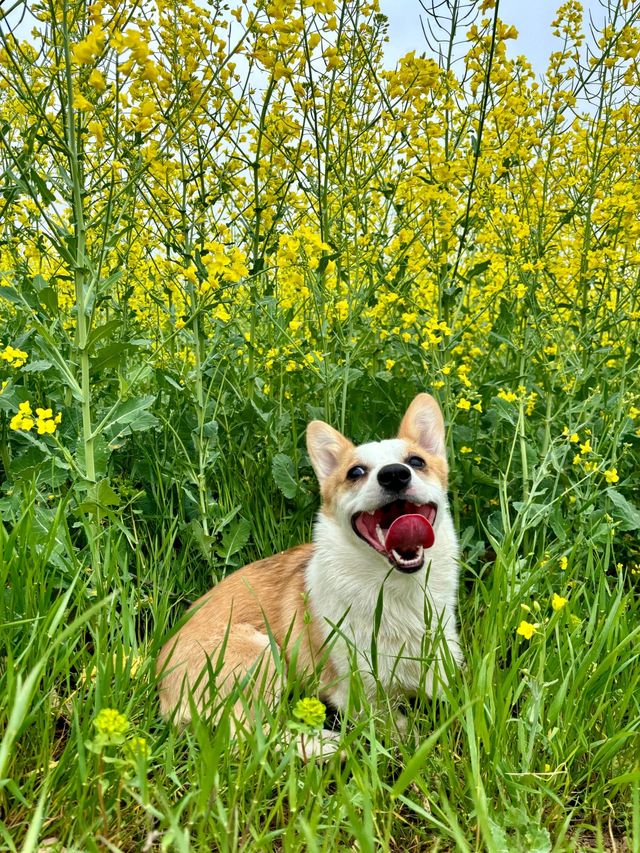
<point x="400" y="530"/>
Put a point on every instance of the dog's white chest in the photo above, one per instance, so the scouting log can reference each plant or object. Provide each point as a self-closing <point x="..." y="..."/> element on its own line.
<point x="389" y="627"/>
<point x="387" y="644"/>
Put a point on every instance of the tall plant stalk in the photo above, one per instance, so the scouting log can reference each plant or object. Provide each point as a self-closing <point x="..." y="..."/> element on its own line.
<point x="81" y="266"/>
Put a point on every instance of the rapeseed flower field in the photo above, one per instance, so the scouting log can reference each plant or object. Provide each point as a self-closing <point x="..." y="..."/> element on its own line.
<point x="221" y="221"/>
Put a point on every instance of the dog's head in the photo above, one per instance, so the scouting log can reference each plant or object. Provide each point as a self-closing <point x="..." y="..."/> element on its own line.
<point x="387" y="494"/>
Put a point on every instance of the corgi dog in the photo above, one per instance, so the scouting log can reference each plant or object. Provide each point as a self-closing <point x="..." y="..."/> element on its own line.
<point x="384" y="559"/>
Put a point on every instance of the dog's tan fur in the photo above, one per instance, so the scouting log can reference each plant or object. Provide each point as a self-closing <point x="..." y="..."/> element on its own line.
<point x="233" y="617"/>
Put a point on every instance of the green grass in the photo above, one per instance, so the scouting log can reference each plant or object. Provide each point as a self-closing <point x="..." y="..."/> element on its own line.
<point x="534" y="747"/>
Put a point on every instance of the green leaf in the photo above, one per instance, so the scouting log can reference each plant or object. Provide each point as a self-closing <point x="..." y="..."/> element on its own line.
<point x="210" y="430"/>
<point x="104" y="284"/>
<point x="557" y="522"/>
<point x="145" y="421"/>
<point x="129" y="412"/>
<point x="170" y="381"/>
<point x="480" y="476"/>
<point x="235" y="537"/>
<point x="477" y="269"/>
<point x="499" y="838"/>
<point x="100" y="332"/>
<point x="284" y="475"/>
<point x="10" y="294"/>
<point x="39" y="283"/>
<point x="37" y="366"/>
<point x="533" y="512"/>
<point x="226" y="519"/>
<point x="110" y="356"/>
<point x="47" y="344"/>
<point x="126" y="417"/>
<point x="537" y="839"/>
<point x="27" y="464"/>
<point x="505" y="411"/>
<point x="105" y="494"/>
<point x="8" y="400"/>
<point x="623" y="511"/>
<point x="49" y="299"/>
<point x="45" y="193"/>
<point x="494" y="525"/>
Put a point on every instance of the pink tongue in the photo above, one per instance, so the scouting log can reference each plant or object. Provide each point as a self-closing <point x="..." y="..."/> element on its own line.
<point x="408" y="532"/>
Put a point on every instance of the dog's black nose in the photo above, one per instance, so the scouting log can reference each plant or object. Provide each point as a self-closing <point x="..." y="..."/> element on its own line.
<point x="394" y="477"/>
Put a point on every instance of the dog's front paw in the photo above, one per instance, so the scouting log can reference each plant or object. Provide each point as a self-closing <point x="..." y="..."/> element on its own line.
<point x="322" y="746"/>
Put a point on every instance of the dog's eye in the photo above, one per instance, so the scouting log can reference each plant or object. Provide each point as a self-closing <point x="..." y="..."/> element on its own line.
<point x="356" y="472"/>
<point x="416" y="462"/>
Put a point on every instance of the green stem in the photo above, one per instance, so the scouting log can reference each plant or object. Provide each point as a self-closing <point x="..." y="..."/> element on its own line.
<point x="523" y="453"/>
<point x="257" y="276"/>
<point x="80" y="266"/>
<point x="202" y="440"/>
<point x="5" y="453"/>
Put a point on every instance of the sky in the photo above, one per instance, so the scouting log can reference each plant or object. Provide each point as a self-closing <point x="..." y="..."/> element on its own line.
<point x="532" y="19"/>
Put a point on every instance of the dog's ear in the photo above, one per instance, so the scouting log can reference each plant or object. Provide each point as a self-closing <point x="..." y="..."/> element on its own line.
<point x="423" y="424"/>
<point x="326" y="448"/>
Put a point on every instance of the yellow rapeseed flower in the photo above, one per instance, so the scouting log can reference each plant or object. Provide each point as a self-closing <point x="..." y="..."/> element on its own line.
<point x="558" y="602"/>
<point x="21" y="422"/>
<point x="137" y="748"/>
<point x="611" y="475"/>
<point x="81" y="103"/>
<point x="14" y="357"/>
<point x="111" y="723"/>
<point x="150" y="72"/>
<point x="46" y="427"/>
<point x="311" y="712"/>
<point x="95" y="127"/>
<point x="342" y="309"/>
<point x="220" y="313"/>
<point x="464" y="404"/>
<point x="97" y="81"/>
<point x="526" y="630"/>
<point x="23" y="419"/>
<point x="87" y="51"/>
<point x="191" y="273"/>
